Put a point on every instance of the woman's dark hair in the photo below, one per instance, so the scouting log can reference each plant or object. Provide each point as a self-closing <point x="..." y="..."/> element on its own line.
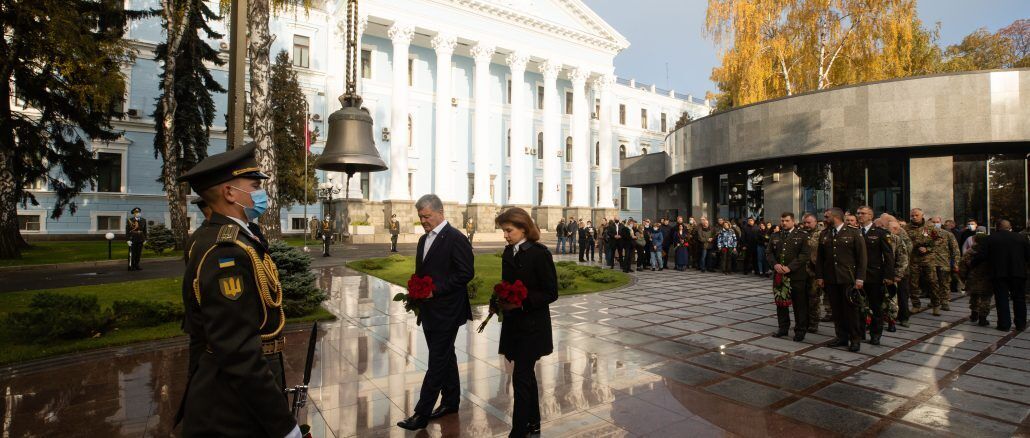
<point x="518" y="218"/>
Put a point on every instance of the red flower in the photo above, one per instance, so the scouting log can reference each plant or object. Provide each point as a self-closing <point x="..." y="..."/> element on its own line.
<point x="420" y="288"/>
<point x="511" y="293"/>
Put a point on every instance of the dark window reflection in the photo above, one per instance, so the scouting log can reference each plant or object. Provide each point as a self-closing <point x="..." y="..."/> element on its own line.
<point x="1006" y="185"/>
<point x="737" y="196"/>
<point x="848" y="184"/>
<point x="755" y="196"/>
<point x="970" y="188"/>
<point x="886" y="186"/>
<point x="815" y="187"/>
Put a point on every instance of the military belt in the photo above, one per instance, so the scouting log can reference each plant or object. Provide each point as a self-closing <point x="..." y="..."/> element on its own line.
<point x="268" y="348"/>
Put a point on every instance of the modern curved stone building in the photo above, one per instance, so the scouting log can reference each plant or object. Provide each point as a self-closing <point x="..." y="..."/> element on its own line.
<point x="955" y="145"/>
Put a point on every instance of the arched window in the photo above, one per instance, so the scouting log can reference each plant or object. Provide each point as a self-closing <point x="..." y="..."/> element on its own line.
<point x="509" y="143"/>
<point x="622" y="151"/>
<point x="540" y="145"/>
<point x="597" y="154"/>
<point x="643" y="151"/>
<point x="411" y="132"/>
<point x="568" y="149"/>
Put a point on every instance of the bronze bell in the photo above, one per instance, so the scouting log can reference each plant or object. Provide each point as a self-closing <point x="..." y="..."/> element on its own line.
<point x="350" y="146"/>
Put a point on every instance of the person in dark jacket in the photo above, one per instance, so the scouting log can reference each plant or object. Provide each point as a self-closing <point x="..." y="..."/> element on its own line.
<point x="526" y="329"/>
<point x="879" y="268"/>
<point x="789" y="255"/>
<point x="136" y="232"/>
<point x="560" y="232"/>
<point x="841" y="265"/>
<point x="1007" y="253"/>
<point x="445" y="255"/>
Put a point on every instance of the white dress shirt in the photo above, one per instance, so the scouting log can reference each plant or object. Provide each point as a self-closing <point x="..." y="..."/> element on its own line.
<point x="431" y="237"/>
<point x="515" y="249"/>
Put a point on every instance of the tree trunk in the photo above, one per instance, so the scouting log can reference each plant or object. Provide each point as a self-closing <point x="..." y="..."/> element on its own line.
<point x="10" y="236"/>
<point x="175" y="24"/>
<point x="258" y="14"/>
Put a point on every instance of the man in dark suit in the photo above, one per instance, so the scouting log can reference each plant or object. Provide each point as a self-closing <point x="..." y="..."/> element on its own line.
<point x="841" y="265"/>
<point x="788" y="255"/>
<point x="626" y="241"/>
<point x="445" y="255"/>
<point x="614" y="244"/>
<point x="1007" y="252"/>
<point x="136" y="232"/>
<point x="880" y="267"/>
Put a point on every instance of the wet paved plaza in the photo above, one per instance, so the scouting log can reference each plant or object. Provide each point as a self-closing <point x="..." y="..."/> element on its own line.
<point x="673" y="354"/>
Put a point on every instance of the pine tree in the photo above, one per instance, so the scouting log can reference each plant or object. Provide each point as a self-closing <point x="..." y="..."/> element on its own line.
<point x="183" y="116"/>
<point x="61" y="60"/>
<point x="289" y="120"/>
<point x="301" y="296"/>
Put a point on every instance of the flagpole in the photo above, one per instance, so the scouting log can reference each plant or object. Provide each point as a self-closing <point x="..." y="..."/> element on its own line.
<point x="307" y="151"/>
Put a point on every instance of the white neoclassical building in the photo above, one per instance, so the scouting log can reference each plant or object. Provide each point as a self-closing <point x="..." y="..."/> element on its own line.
<point x="485" y="103"/>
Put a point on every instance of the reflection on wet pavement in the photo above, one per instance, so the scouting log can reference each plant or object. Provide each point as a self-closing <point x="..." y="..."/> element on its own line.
<point x="674" y="354"/>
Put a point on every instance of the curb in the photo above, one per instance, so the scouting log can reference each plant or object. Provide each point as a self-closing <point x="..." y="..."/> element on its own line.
<point x="76" y="265"/>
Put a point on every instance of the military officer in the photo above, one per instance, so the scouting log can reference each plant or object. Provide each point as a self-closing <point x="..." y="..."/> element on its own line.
<point x="395" y="230"/>
<point x="788" y="254"/>
<point x="325" y="232"/>
<point x="206" y="211"/>
<point x="922" y="263"/>
<point x="810" y="224"/>
<point x="879" y="268"/>
<point x="948" y="256"/>
<point x="136" y="233"/>
<point x="841" y="266"/>
<point x="233" y="309"/>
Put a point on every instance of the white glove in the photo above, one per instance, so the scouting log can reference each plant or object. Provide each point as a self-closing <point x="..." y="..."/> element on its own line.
<point x="129" y="242"/>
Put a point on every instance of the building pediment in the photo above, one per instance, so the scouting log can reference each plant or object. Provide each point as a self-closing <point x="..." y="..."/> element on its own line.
<point x="570" y="19"/>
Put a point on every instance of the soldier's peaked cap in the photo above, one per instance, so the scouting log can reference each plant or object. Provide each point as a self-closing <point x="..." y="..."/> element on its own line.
<point x="219" y="168"/>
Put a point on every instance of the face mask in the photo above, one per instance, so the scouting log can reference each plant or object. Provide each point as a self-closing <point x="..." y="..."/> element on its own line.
<point x="972" y="227"/>
<point x="936" y="225"/>
<point x="260" y="198"/>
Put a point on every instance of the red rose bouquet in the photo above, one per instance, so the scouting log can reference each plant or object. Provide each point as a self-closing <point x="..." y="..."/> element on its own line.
<point x="781" y="290"/>
<point x="419" y="288"/>
<point x="511" y="293"/>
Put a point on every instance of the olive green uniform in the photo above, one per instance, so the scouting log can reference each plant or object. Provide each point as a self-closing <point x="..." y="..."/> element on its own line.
<point x="791" y="249"/>
<point x="815" y="293"/>
<point x="978" y="284"/>
<point x="946" y="251"/>
<point x="922" y="270"/>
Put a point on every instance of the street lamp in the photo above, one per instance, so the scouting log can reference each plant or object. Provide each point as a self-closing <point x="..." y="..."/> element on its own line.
<point x="326" y="191"/>
<point x="109" y="237"/>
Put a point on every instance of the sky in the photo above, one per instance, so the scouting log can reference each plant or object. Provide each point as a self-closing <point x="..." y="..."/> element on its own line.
<point x="668" y="47"/>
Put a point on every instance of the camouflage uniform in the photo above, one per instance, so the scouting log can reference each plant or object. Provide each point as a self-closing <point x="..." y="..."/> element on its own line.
<point x="923" y="266"/>
<point x="815" y="293"/>
<point x="899" y="242"/>
<point x="978" y="284"/>
<point x="947" y="254"/>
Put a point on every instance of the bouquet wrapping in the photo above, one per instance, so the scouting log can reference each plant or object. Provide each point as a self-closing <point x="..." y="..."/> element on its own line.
<point x="419" y="288"/>
<point x="511" y="293"/>
<point x="781" y="290"/>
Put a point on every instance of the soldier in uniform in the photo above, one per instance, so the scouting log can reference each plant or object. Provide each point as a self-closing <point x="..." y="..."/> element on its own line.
<point x="810" y="224"/>
<point x="978" y="283"/>
<point x="948" y="256"/>
<point x="395" y="230"/>
<point x="841" y="265"/>
<point x="325" y="232"/>
<point x="136" y="232"/>
<point x="902" y="250"/>
<point x="879" y="268"/>
<point x="206" y="211"/>
<point x="233" y="309"/>
<point x="923" y="262"/>
<point x="789" y="255"/>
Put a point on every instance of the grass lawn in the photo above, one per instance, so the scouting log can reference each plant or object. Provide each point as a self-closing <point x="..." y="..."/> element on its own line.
<point x="158" y="290"/>
<point x="397" y="269"/>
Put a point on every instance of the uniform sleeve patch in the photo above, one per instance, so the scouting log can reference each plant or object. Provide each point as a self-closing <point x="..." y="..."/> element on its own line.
<point x="231" y="287"/>
<point x="226" y="262"/>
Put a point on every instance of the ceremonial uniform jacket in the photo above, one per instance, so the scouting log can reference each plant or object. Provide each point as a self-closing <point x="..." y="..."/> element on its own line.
<point x="233" y="309"/>
<point x="395" y="227"/>
<point x="842" y="258"/>
<point x="879" y="253"/>
<point x="526" y="332"/>
<point x="790" y="249"/>
<point x="923" y="236"/>
<point x="136" y="229"/>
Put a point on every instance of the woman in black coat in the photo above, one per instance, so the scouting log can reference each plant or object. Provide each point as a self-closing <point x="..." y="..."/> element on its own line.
<point x="526" y="330"/>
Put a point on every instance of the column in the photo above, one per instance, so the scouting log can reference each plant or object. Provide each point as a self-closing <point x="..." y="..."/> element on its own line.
<point x="482" y="53"/>
<point x="400" y="34"/>
<point x="580" y="152"/>
<point x="521" y="174"/>
<point x="604" y="135"/>
<point x="552" y="127"/>
<point x="444" y="45"/>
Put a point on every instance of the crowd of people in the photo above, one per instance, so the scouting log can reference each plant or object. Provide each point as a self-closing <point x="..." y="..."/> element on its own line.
<point x="820" y="269"/>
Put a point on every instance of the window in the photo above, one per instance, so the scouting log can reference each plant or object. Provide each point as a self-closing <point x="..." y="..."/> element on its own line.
<point x="622" y="114"/>
<point x="411" y="184"/>
<point x="568" y="149"/>
<point x="366" y="64"/>
<point x="29" y="222"/>
<point x="597" y="108"/>
<point x="472" y="186"/>
<point x="623" y="198"/>
<point x="411" y="132"/>
<point x="622" y="151"/>
<point x="365" y="191"/>
<point x="568" y="102"/>
<point x="298" y="223"/>
<point x="411" y="72"/>
<point x="109" y="175"/>
<point x="643" y="118"/>
<point x="539" y="193"/>
<point x="509" y="90"/>
<point x="492" y="192"/>
<point x="39" y="184"/>
<point x="597" y="194"/>
<point x="540" y="145"/>
<point x="540" y="97"/>
<point x="568" y="195"/>
<point x="109" y="223"/>
<point x="664" y="123"/>
<point x="301" y="51"/>
<point x="509" y="143"/>
<point x="597" y="154"/>
<point x="509" y="189"/>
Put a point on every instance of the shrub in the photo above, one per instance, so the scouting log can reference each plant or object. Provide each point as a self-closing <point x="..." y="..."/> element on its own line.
<point x="474" y="286"/>
<point x="135" y="313"/>
<point x="369" y="264"/>
<point x="54" y="316"/>
<point x="566" y="278"/>
<point x="396" y="258"/>
<point x="602" y="276"/>
<point x="159" y="239"/>
<point x="300" y="294"/>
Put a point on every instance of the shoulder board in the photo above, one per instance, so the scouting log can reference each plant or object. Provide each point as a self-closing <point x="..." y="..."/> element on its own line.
<point x="227" y="233"/>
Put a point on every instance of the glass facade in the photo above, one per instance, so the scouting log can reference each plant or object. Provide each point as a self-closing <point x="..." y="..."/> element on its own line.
<point x="970" y="187"/>
<point x="1006" y="190"/>
<point x="815" y="186"/>
<point x="849" y="184"/>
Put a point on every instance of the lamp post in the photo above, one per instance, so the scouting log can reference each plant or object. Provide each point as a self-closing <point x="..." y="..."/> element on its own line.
<point x="109" y="237"/>
<point x="326" y="191"/>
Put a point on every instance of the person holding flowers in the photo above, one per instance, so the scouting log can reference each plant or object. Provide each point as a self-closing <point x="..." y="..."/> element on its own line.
<point x="788" y="254"/>
<point x="526" y="326"/>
